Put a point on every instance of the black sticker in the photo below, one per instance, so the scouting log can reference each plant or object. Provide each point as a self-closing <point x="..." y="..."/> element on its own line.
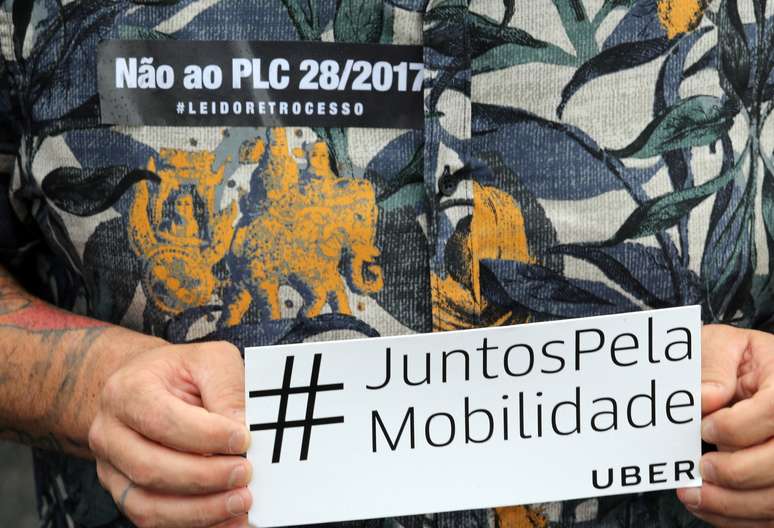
<point x="240" y="83"/>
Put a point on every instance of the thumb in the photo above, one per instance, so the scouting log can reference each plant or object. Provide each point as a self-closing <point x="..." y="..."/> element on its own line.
<point x="219" y="374"/>
<point x="722" y="348"/>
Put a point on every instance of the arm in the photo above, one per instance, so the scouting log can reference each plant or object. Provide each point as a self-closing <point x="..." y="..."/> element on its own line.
<point x="53" y="365"/>
<point x="164" y="422"/>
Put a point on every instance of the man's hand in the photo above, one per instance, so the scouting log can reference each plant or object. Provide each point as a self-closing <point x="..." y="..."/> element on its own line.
<point x="738" y="407"/>
<point x="167" y="435"/>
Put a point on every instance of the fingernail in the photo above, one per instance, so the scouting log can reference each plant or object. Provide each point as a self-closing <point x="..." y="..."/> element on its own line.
<point x="237" y="443"/>
<point x="692" y="497"/>
<point x="707" y="471"/>
<point x="235" y="504"/>
<point x="708" y="431"/>
<point x="238" y="477"/>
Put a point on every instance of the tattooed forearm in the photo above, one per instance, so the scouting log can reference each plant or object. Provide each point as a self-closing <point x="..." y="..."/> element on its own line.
<point x="52" y="366"/>
<point x="21" y="310"/>
<point x="48" y="441"/>
<point x="44" y="387"/>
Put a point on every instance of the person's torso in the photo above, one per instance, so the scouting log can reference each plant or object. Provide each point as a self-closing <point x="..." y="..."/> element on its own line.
<point x="577" y="158"/>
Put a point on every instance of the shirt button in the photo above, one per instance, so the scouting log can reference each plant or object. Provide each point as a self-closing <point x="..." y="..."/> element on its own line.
<point x="475" y="170"/>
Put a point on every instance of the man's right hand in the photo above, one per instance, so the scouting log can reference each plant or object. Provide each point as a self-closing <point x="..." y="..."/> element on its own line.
<point x="168" y="434"/>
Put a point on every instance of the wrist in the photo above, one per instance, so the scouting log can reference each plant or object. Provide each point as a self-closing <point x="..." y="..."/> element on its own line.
<point x="113" y="348"/>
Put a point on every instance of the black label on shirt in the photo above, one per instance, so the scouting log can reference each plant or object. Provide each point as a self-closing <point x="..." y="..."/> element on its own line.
<point x="239" y="83"/>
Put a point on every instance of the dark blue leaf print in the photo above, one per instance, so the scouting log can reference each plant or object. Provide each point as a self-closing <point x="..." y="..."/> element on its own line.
<point x="618" y="58"/>
<point x="84" y="116"/>
<point x="141" y="33"/>
<point x="486" y="34"/>
<point x="177" y="328"/>
<point x="358" y="21"/>
<point x="406" y="291"/>
<point x="706" y="62"/>
<point x="305" y="329"/>
<point x="734" y="53"/>
<point x="397" y="164"/>
<point x="510" y="10"/>
<point x="302" y="19"/>
<point x="21" y="15"/>
<point x="447" y="32"/>
<point x="157" y="2"/>
<point x="87" y="502"/>
<point x="409" y="5"/>
<point x="663" y="212"/>
<point x="270" y="332"/>
<point x="547" y="294"/>
<point x="767" y="208"/>
<point x="710" y="61"/>
<point x="667" y="94"/>
<point x="114" y="149"/>
<point x="111" y="276"/>
<point x="553" y="160"/>
<point x="642" y="271"/>
<point x="692" y="122"/>
<point x="60" y="72"/>
<point x="223" y="20"/>
<point x="671" y="74"/>
<point x="66" y="269"/>
<point x="86" y="192"/>
<point x="640" y="23"/>
<point x="729" y="258"/>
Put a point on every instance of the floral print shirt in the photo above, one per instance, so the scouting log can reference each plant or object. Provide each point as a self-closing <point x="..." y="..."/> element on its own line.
<point x="578" y="158"/>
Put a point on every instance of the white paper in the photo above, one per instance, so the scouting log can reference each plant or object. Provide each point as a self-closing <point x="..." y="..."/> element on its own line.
<point x="343" y="478"/>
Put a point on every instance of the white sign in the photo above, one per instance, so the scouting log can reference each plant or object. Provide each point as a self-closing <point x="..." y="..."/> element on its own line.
<point x="490" y="417"/>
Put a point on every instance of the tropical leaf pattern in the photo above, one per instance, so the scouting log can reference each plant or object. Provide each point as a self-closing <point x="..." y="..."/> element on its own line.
<point x="578" y="158"/>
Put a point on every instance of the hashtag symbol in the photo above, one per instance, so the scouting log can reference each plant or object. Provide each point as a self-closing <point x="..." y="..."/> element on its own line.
<point x="180" y="108"/>
<point x="309" y="421"/>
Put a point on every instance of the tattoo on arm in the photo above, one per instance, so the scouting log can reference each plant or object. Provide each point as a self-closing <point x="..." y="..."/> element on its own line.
<point x="20" y="310"/>
<point x="44" y="354"/>
<point x="48" y="442"/>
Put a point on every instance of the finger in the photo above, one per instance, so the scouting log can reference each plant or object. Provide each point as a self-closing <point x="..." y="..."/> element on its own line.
<point x="218" y="371"/>
<point x="747" y="423"/>
<point x="742" y="504"/>
<point x="166" y="419"/>
<point x="749" y="468"/>
<point x="158" y="468"/>
<point x="146" y="508"/>
<point x="238" y="522"/>
<point x="747" y="384"/>
<point x="720" y="521"/>
<point x="722" y="350"/>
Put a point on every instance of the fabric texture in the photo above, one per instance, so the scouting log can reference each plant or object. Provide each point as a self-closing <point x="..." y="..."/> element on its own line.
<point x="578" y="158"/>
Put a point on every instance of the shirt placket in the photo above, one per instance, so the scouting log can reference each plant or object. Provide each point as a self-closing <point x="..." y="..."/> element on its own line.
<point x="447" y="150"/>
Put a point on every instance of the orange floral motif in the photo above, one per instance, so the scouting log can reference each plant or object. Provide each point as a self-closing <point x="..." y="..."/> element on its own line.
<point x="310" y="233"/>
<point x="179" y="259"/>
<point x="680" y="16"/>
<point x="496" y="232"/>
<point x="520" y="517"/>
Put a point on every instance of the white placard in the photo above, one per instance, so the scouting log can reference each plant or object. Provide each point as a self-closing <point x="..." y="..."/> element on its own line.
<point x="476" y="418"/>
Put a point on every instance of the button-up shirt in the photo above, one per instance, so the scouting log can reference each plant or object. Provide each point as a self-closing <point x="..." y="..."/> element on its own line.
<point x="577" y="158"/>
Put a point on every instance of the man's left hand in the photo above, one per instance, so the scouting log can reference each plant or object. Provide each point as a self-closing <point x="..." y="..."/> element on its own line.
<point x="737" y="400"/>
